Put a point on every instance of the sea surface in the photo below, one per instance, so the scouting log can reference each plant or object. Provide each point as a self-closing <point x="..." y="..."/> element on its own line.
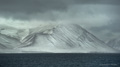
<point x="60" y="60"/>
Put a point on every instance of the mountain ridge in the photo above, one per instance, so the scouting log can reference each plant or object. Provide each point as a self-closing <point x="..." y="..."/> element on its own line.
<point x="63" y="38"/>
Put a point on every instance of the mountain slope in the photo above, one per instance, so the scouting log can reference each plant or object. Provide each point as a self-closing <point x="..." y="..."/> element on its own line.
<point x="69" y="38"/>
<point x="63" y="38"/>
<point x="115" y="43"/>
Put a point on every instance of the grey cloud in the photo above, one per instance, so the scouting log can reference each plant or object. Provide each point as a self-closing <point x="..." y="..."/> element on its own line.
<point x="112" y="2"/>
<point x="30" y="6"/>
<point x="25" y="8"/>
<point x="107" y="32"/>
<point x="114" y="26"/>
<point x="95" y="13"/>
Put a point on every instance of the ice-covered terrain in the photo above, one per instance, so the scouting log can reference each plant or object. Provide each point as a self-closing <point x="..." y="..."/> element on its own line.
<point x="53" y="38"/>
<point x="114" y="43"/>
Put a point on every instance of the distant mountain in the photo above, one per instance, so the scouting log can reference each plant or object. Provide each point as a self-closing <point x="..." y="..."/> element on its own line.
<point x="63" y="38"/>
<point x="114" y="43"/>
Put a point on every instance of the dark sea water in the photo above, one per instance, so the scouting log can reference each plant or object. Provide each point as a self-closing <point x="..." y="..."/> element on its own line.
<point x="60" y="60"/>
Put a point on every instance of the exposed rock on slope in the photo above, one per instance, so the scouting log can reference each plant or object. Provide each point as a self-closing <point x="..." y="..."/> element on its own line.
<point x="62" y="38"/>
<point x="114" y="43"/>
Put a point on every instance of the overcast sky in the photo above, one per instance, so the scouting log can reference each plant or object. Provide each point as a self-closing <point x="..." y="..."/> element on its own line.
<point x="100" y="17"/>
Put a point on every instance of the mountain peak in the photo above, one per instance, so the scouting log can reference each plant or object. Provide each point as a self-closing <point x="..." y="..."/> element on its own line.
<point x="61" y="38"/>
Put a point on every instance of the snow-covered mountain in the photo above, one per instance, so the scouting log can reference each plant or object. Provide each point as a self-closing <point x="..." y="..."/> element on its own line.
<point x="58" y="38"/>
<point x="114" y="43"/>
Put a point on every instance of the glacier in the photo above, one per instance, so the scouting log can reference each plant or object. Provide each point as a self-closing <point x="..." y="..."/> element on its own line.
<point x="51" y="38"/>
